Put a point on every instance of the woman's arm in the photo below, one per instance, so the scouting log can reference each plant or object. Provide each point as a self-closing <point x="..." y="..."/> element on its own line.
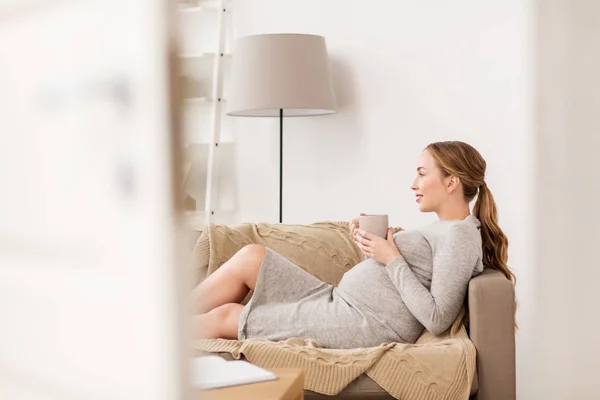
<point x="454" y="260"/>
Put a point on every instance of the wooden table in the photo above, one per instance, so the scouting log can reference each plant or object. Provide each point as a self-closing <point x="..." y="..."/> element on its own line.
<point x="289" y="386"/>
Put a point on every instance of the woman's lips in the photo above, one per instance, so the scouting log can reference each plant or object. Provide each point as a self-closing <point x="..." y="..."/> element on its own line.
<point x="419" y="197"/>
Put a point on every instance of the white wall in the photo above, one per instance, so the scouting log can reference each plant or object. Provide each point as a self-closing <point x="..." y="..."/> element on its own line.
<point x="406" y="73"/>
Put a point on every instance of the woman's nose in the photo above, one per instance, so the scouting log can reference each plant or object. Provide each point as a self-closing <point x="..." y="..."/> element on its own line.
<point x="414" y="186"/>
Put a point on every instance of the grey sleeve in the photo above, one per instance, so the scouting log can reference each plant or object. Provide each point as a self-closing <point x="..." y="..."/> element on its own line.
<point x="454" y="260"/>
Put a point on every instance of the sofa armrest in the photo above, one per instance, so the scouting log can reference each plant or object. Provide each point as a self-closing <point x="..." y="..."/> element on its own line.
<point x="491" y="302"/>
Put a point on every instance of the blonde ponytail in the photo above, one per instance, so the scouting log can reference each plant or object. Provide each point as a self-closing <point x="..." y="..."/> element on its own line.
<point x="494" y="241"/>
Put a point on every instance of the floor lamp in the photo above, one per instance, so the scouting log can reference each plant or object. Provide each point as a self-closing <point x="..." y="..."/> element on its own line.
<point x="280" y="75"/>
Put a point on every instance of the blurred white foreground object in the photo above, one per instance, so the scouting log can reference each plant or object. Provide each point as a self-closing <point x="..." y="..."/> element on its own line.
<point x="89" y="290"/>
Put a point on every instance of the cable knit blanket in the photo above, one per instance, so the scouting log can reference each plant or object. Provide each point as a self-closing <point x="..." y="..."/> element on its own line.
<point x="435" y="367"/>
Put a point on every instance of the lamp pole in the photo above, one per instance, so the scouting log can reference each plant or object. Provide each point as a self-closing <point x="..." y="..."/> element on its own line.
<point x="280" y="165"/>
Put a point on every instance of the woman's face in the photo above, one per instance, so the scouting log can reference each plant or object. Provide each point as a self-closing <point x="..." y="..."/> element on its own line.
<point x="429" y="184"/>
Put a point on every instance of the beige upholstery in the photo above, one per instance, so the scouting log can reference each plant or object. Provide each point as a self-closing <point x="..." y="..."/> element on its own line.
<point x="491" y="300"/>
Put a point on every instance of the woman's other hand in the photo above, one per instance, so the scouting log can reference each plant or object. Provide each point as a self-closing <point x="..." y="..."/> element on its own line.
<point x="379" y="249"/>
<point x="354" y="225"/>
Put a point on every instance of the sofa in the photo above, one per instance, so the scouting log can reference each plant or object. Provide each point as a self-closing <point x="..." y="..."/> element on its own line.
<point x="490" y="324"/>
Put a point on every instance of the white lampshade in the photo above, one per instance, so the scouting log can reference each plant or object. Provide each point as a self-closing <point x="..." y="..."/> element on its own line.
<point x="280" y="71"/>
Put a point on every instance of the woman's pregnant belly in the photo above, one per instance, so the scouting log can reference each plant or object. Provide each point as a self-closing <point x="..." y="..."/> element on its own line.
<point x="368" y="287"/>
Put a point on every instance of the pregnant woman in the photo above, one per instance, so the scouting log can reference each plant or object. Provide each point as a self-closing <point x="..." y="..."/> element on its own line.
<point x="416" y="279"/>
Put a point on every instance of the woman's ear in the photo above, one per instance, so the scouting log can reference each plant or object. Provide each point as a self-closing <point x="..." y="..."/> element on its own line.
<point x="452" y="183"/>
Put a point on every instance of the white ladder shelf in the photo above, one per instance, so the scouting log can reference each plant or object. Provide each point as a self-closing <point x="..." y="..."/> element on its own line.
<point x="199" y="219"/>
<point x="216" y="111"/>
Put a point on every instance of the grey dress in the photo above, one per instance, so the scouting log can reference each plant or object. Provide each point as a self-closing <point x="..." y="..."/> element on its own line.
<point x="373" y="303"/>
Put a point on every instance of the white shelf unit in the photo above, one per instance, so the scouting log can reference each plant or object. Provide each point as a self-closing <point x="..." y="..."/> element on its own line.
<point x="209" y="143"/>
<point x="197" y="100"/>
<point x="199" y="6"/>
<point x="196" y="220"/>
<point x="201" y="55"/>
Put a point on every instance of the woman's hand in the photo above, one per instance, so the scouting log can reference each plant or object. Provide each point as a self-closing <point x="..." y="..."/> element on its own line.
<point x="354" y="225"/>
<point x="380" y="249"/>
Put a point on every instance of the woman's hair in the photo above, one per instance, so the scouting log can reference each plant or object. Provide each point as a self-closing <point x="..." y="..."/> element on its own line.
<point x="463" y="161"/>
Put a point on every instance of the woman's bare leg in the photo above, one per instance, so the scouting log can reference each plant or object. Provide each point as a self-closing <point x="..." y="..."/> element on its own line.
<point x="221" y="322"/>
<point x="232" y="281"/>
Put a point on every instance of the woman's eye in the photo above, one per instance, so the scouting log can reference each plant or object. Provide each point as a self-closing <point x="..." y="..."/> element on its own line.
<point x="420" y="174"/>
